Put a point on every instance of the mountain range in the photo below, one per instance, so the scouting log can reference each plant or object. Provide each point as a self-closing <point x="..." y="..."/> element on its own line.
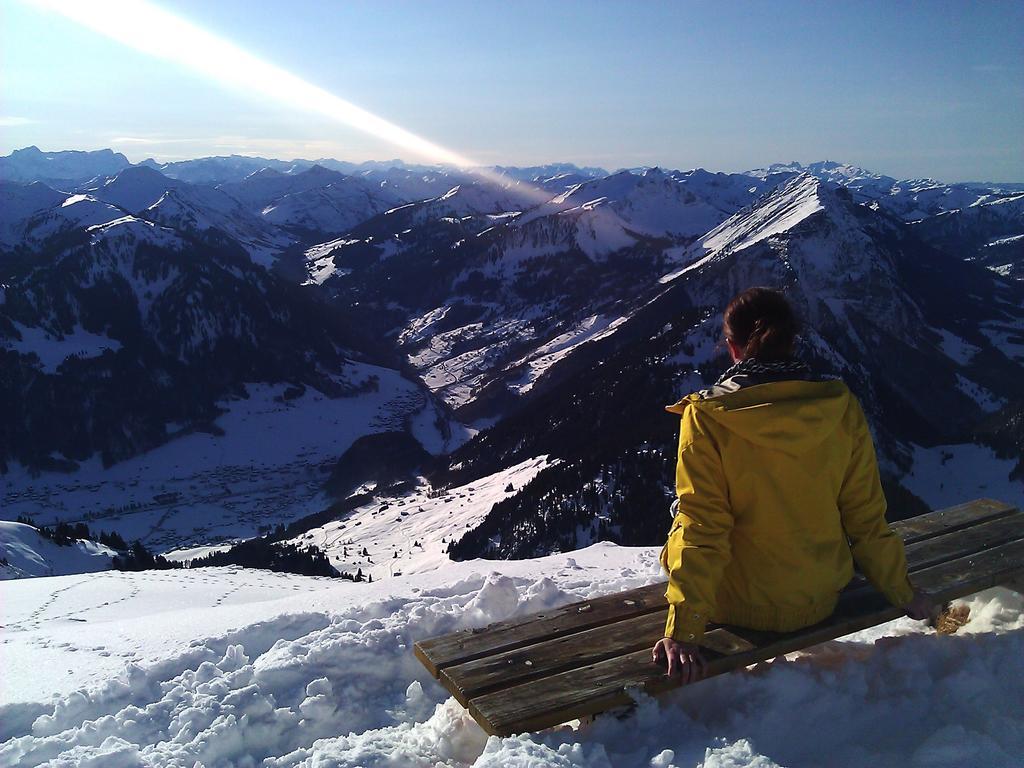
<point x="514" y="313"/>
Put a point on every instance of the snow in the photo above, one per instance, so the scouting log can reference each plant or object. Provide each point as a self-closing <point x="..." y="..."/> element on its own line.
<point x="31" y="213"/>
<point x="84" y="211"/>
<point x="410" y="533"/>
<point x="52" y="350"/>
<point x="798" y="200"/>
<point x="455" y="377"/>
<point x="202" y="488"/>
<point x="333" y="208"/>
<point x="953" y="474"/>
<point x="601" y="232"/>
<point x="199" y="209"/>
<point x="129" y="231"/>
<point x="185" y="554"/>
<point x="423" y="427"/>
<point x="222" y="666"/>
<point x="320" y="260"/>
<point x="652" y="203"/>
<point x="776" y="214"/>
<point x="1008" y="339"/>
<point x="956" y="348"/>
<point x="1005" y="241"/>
<point x="27" y="553"/>
<point x="541" y="359"/>
<point x="983" y="396"/>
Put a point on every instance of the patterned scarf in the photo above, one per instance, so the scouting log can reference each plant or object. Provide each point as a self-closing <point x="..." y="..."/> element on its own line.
<point x="754" y="366"/>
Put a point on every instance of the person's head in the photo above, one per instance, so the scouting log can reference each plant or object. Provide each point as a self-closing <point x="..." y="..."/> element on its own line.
<point x="760" y="323"/>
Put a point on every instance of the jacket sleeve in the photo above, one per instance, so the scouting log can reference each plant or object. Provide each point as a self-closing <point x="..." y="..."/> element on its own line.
<point x="698" y="547"/>
<point x="876" y="547"/>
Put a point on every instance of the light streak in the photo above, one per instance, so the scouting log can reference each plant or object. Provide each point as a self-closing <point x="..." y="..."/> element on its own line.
<point x="148" y="28"/>
<point x="157" y="32"/>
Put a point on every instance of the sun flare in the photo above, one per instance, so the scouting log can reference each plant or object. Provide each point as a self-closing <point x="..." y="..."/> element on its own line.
<point x="156" y="32"/>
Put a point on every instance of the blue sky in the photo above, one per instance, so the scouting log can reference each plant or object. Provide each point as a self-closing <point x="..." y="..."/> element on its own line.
<point x="909" y="89"/>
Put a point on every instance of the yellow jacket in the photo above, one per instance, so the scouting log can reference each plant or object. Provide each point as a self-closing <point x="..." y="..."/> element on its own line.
<point x="778" y="494"/>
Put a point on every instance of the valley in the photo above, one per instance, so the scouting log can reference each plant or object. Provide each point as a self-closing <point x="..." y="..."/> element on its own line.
<point x="480" y="322"/>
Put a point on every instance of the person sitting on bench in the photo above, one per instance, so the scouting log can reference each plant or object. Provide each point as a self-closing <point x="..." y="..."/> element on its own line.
<point x="778" y="494"/>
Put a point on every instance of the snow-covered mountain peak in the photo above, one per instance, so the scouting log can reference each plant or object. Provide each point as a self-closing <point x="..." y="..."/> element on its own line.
<point x="133" y="229"/>
<point x="32" y="164"/>
<point x="134" y="189"/>
<point x="30" y="213"/>
<point x="653" y="173"/>
<point x="805" y="228"/>
<point x="794" y="201"/>
<point x="199" y="209"/>
<point x="136" y="174"/>
<point x="823" y="169"/>
<point x="476" y="198"/>
<point x="320" y="172"/>
<point x="266" y="187"/>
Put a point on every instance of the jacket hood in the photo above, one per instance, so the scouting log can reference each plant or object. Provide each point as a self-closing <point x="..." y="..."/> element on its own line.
<point x="789" y="416"/>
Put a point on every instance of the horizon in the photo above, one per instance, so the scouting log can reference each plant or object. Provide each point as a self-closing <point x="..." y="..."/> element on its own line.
<point x="400" y="162"/>
<point x="923" y="92"/>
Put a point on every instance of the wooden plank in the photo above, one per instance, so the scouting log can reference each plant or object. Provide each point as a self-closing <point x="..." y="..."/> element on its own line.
<point x="466" y="645"/>
<point x="541" y="659"/>
<point x="951" y="519"/>
<point x="473" y="678"/>
<point x="597" y="687"/>
<point x="470" y="644"/>
<point x="958" y="543"/>
<point x="549" y="656"/>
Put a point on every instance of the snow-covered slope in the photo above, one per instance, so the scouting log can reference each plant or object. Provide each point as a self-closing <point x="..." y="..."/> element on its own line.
<point x="24" y="552"/>
<point x="506" y="284"/>
<point x="660" y="204"/>
<point x="410" y="533"/>
<point x="257" y="464"/>
<point x="154" y="310"/>
<point x="332" y="209"/>
<point x="261" y="188"/>
<point x="191" y="208"/>
<point x="30" y="214"/>
<point x="201" y="210"/>
<point x="312" y="202"/>
<point x="222" y="667"/>
<point x="909" y="199"/>
<point x="989" y="232"/>
<point x="19" y="203"/>
<point x="214" y="171"/>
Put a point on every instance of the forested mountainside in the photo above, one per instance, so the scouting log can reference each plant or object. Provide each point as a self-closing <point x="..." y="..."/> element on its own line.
<point x="550" y="311"/>
<point x="119" y="338"/>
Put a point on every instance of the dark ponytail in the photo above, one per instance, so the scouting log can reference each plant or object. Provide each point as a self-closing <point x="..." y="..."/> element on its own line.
<point x="762" y="323"/>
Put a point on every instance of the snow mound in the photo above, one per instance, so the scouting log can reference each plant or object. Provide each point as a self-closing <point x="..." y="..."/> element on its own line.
<point x="24" y="552"/>
<point x="327" y="677"/>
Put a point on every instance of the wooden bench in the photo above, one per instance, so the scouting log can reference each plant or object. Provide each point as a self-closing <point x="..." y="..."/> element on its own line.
<point x="550" y="667"/>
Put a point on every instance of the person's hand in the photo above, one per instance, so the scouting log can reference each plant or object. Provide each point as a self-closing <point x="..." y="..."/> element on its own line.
<point x="685" y="661"/>
<point x="920" y="607"/>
